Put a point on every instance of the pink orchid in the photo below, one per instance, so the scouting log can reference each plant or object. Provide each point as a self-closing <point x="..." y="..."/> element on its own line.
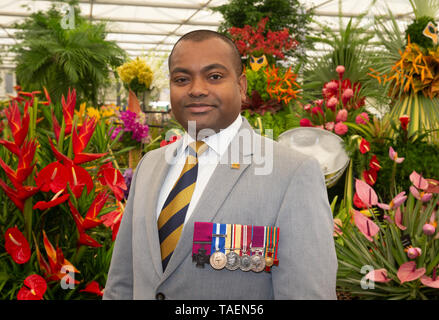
<point x="366" y="194"/>
<point x="395" y="203"/>
<point x="394" y="156"/>
<point x="365" y="225"/>
<point x="379" y="275"/>
<point x="408" y="272"/>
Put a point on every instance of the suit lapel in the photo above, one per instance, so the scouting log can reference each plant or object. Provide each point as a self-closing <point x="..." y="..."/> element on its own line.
<point x="217" y="189"/>
<point x="158" y="174"/>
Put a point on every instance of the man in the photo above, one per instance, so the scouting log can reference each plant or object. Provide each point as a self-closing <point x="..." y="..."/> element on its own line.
<point x="152" y="257"/>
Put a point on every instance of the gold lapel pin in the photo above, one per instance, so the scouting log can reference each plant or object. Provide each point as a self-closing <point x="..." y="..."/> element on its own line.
<point x="235" y="166"/>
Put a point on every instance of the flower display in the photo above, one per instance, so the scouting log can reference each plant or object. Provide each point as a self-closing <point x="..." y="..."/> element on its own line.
<point x="131" y="123"/>
<point x="254" y="41"/>
<point x="136" y="75"/>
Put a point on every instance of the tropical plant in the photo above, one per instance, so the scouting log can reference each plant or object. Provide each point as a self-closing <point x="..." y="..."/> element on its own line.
<point x="60" y="57"/>
<point x="282" y="14"/>
<point x="389" y="250"/>
<point x="61" y="200"/>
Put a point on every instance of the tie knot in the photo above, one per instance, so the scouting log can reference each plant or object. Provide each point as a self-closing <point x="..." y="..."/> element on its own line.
<point x="198" y="147"/>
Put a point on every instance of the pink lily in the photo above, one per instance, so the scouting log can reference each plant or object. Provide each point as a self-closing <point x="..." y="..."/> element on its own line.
<point x="395" y="202"/>
<point x="394" y="156"/>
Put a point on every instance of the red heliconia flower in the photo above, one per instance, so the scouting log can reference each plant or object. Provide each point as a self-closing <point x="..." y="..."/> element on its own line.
<point x="34" y="288"/>
<point x="93" y="287"/>
<point x="112" y="177"/>
<point x="81" y="137"/>
<point x="69" y="109"/>
<point x="58" y="267"/>
<point x="49" y="101"/>
<point x="19" y="126"/>
<point x="17" y="246"/>
<point x="19" y="195"/>
<point x="112" y="220"/>
<point x="364" y="146"/>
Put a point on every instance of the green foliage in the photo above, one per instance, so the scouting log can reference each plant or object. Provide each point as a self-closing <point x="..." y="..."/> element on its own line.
<point x="282" y="14"/>
<point x="279" y="122"/>
<point x="415" y="32"/>
<point x="257" y="81"/>
<point x="60" y="58"/>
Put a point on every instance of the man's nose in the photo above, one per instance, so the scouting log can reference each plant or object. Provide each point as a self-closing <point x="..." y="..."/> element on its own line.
<point x="198" y="87"/>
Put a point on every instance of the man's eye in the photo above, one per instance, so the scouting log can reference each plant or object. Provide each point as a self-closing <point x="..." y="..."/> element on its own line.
<point x="180" y="80"/>
<point x="215" y="76"/>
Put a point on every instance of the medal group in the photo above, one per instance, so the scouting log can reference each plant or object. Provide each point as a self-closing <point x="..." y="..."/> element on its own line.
<point x="235" y="246"/>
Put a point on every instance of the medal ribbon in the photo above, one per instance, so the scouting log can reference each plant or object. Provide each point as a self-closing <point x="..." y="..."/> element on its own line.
<point x="202" y="233"/>
<point x="237" y="231"/>
<point x="218" y="243"/>
<point x="258" y="237"/>
<point x="246" y="238"/>
<point x="229" y="238"/>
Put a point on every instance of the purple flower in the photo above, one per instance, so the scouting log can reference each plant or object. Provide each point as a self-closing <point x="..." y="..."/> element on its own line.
<point x="132" y="123"/>
<point x="128" y="176"/>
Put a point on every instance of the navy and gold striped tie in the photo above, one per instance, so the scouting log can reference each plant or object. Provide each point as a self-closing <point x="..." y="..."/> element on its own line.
<point x="171" y="218"/>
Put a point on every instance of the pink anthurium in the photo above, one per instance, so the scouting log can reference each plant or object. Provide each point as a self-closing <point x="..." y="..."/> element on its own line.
<point x="379" y="275"/>
<point x="408" y="272"/>
<point x="418" y="181"/>
<point x="395" y="203"/>
<point x="431" y="282"/>
<point x="366" y="194"/>
<point x="398" y="219"/>
<point x="365" y="225"/>
<point x="394" y="156"/>
<point x="423" y="196"/>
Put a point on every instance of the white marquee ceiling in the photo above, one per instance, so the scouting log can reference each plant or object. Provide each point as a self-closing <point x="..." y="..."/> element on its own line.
<point x="140" y="25"/>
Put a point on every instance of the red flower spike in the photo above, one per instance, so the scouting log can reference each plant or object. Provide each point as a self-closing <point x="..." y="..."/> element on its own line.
<point x="112" y="220"/>
<point x="112" y="177"/>
<point x="18" y="196"/>
<point x="34" y="288"/>
<point x="83" y="224"/>
<point x="81" y="137"/>
<point x="86" y="240"/>
<point x="46" y="93"/>
<point x="18" y="126"/>
<point x="11" y="146"/>
<point x="17" y="246"/>
<point x="59" y="156"/>
<point x="404" y="120"/>
<point x="93" y="287"/>
<point x="68" y="110"/>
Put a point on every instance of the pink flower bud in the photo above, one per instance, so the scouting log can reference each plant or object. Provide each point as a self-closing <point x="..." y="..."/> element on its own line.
<point x="342" y="116"/>
<point x="319" y="103"/>
<point x="340" y="69"/>
<point x="340" y="128"/>
<point x="332" y="103"/>
<point x="329" y="126"/>
<point x="413" y="253"/>
<point x="428" y="229"/>
<point x="317" y="110"/>
<point x="362" y="118"/>
<point x="305" y="123"/>
<point x="307" y="107"/>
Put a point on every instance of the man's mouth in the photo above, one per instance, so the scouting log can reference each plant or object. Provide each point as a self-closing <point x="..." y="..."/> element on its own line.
<point x="199" y="107"/>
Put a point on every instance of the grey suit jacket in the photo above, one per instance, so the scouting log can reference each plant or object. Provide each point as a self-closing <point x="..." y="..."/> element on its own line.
<point x="291" y="196"/>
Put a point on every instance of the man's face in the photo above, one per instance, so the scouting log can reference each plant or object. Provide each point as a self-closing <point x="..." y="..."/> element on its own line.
<point x="204" y="84"/>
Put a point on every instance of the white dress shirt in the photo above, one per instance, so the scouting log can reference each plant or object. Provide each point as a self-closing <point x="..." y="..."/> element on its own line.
<point x="207" y="162"/>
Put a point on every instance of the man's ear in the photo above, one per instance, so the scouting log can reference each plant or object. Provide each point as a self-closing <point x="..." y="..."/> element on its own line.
<point x="243" y="86"/>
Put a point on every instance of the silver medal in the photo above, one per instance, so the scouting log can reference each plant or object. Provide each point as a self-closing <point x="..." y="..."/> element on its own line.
<point x="257" y="263"/>
<point x="246" y="263"/>
<point x="233" y="261"/>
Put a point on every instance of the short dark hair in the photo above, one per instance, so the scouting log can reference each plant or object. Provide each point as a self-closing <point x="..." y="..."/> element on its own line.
<point x="201" y="35"/>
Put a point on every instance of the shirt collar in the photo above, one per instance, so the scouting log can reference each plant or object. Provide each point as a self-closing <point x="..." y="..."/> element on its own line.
<point x="218" y="142"/>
